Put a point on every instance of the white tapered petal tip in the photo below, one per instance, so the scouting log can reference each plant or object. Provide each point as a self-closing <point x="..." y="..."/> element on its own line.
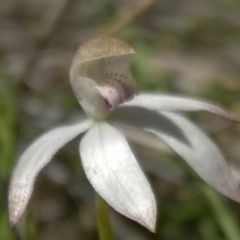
<point x="17" y="202"/>
<point x="148" y="220"/>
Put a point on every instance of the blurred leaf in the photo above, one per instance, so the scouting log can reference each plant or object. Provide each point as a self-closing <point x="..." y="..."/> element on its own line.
<point x="7" y="124"/>
<point x="7" y="146"/>
<point x="145" y="74"/>
<point x="223" y="215"/>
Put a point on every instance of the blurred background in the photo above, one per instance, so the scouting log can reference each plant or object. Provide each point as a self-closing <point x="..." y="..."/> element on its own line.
<point x="187" y="47"/>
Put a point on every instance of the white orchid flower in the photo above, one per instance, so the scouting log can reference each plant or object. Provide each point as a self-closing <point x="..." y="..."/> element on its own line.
<point x="101" y="80"/>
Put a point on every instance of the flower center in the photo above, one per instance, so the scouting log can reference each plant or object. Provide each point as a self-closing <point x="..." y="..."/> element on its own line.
<point x="118" y="85"/>
<point x="101" y="85"/>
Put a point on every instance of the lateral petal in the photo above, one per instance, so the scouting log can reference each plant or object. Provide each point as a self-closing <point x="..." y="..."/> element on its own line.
<point x="115" y="174"/>
<point x="170" y="103"/>
<point x="32" y="161"/>
<point x="188" y="142"/>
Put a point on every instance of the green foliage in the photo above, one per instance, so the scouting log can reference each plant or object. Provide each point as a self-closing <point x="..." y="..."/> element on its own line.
<point x="7" y="146"/>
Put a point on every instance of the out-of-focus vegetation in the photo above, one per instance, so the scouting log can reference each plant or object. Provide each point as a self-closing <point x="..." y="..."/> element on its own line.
<point x="188" y="47"/>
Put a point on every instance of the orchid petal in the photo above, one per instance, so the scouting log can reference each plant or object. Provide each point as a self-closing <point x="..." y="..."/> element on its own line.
<point x="187" y="141"/>
<point x="170" y="103"/>
<point x="115" y="174"/>
<point x="32" y="161"/>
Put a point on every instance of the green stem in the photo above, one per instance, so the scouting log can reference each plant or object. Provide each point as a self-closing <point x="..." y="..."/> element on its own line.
<point x="104" y="226"/>
<point x="223" y="214"/>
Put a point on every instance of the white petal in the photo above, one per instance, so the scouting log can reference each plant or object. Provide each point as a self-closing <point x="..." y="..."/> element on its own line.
<point x="170" y="103"/>
<point x="115" y="174"/>
<point x="189" y="142"/>
<point x="32" y="161"/>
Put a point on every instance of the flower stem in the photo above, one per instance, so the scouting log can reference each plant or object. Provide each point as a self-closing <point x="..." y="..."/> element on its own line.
<point x="223" y="214"/>
<point x="104" y="226"/>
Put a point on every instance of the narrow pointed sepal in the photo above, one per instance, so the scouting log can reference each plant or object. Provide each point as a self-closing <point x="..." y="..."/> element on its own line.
<point x="32" y="161"/>
<point x="187" y="141"/>
<point x="168" y="103"/>
<point x="116" y="176"/>
<point x="202" y="155"/>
